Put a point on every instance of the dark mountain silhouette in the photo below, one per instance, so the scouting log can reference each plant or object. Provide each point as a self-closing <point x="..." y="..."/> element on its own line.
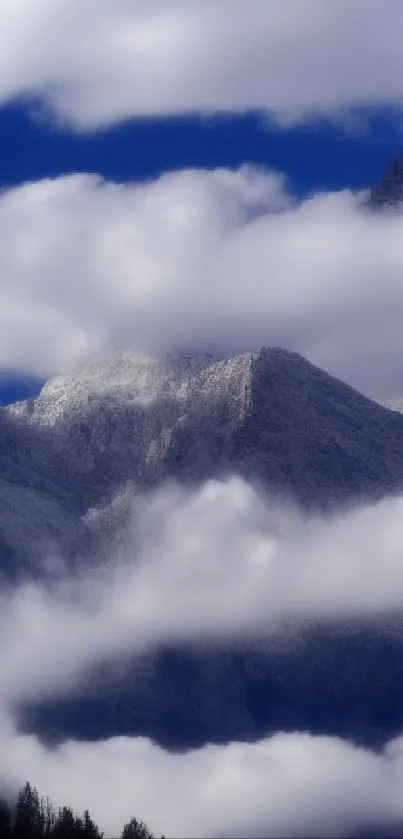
<point x="388" y="193"/>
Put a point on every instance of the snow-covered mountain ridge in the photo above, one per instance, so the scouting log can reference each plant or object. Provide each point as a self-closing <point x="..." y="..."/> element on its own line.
<point x="270" y="416"/>
<point x="123" y="378"/>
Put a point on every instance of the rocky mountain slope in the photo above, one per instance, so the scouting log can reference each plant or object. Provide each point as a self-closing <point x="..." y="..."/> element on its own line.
<point x="269" y="415"/>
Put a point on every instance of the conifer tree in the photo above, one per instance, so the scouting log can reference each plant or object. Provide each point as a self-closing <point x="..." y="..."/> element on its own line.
<point x="34" y="818"/>
<point x="66" y="825"/>
<point x="136" y="830"/>
<point x="89" y="829"/>
<point x="29" y="820"/>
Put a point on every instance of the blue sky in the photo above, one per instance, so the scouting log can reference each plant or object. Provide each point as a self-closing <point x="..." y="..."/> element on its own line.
<point x="316" y="156"/>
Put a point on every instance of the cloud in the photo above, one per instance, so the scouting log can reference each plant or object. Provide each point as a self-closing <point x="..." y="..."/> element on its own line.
<point x="287" y="785"/>
<point x="219" y="260"/>
<point x="218" y="564"/>
<point x="89" y="263"/>
<point x="105" y="61"/>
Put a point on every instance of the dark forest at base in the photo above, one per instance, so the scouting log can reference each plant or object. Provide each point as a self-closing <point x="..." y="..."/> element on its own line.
<point x="33" y="817"/>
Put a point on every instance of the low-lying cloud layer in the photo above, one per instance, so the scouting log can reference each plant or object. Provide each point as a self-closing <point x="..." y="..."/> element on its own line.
<point x="107" y="60"/>
<point x="288" y="785"/>
<point x="219" y="563"/>
<point x="217" y="260"/>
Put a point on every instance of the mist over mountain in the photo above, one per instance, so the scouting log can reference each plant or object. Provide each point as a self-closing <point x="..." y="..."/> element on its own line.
<point x="201" y="418"/>
<point x="133" y="421"/>
<point x="77" y="456"/>
<point x="202" y="551"/>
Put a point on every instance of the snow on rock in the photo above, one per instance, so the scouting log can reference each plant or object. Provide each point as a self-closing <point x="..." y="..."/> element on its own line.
<point x="132" y="420"/>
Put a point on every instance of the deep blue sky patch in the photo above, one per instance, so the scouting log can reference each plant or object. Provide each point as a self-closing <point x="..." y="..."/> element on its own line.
<point x="320" y="156"/>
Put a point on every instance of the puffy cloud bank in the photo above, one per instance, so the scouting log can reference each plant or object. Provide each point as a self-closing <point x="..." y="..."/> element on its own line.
<point x="288" y="785"/>
<point x="220" y="563"/>
<point x="221" y="260"/>
<point x="107" y="60"/>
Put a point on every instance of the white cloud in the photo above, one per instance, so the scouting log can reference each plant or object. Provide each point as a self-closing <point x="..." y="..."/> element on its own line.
<point x="217" y="564"/>
<point x="220" y="260"/>
<point x="286" y="785"/>
<point x="222" y="562"/>
<point x="107" y="60"/>
<point x="87" y="264"/>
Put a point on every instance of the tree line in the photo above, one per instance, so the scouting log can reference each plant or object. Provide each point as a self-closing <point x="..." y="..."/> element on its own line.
<point x="32" y="817"/>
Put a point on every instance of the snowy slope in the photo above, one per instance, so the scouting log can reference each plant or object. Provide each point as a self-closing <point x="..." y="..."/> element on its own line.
<point x="137" y="420"/>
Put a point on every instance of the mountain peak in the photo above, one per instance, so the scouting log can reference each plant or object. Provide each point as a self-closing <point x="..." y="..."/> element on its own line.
<point x="388" y="193"/>
<point x="135" y="381"/>
<point x="135" y="421"/>
<point x="124" y="378"/>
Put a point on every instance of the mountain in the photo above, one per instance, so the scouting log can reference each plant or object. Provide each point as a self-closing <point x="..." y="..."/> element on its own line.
<point x="343" y="681"/>
<point x="66" y="458"/>
<point x="388" y="193"/>
<point x="270" y="416"/>
<point x="36" y="511"/>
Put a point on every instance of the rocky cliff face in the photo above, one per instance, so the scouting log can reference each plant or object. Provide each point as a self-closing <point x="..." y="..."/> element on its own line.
<point x="270" y="416"/>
